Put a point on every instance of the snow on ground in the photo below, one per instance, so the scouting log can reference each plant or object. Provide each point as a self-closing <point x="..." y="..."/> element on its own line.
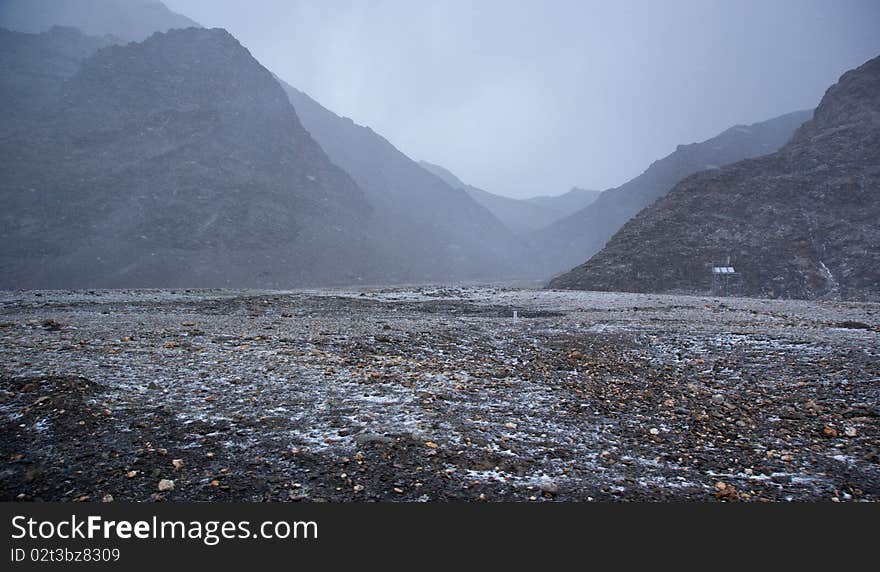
<point x="437" y="392"/>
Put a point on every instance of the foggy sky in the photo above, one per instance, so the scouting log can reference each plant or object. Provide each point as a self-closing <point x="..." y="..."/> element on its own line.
<point x="533" y="97"/>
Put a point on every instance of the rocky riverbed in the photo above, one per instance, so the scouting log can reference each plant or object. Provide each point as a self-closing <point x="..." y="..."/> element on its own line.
<point x="436" y="393"/>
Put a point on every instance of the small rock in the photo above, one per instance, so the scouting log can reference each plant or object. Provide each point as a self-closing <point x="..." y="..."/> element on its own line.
<point x="107" y="498"/>
<point x="850" y="431"/>
<point x="131" y="474"/>
<point x="548" y="487"/>
<point x="726" y="492"/>
<point x="829" y="431"/>
<point x="431" y="445"/>
<point x="166" y="485"/>
<point x="510" y="425"/>
<point x="718" y="398"/>
<point x="813" y="406"/>
<point x="654" y="431"/>
<point x="51" y="325"/>
<point x="370" y="438"/>
<point x="177" y="463"/>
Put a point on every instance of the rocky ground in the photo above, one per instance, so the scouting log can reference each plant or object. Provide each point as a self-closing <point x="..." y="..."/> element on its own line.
<point x="420" y="394"/>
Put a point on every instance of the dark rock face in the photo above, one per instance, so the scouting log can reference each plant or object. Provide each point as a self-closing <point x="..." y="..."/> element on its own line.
<point x="129" y="20"/>
<point x="178" y="161"/>
<point x="425" y="229"/>
<point x="576" y="238"/>
<point x="800" y="223"/>
<point x="33" y="67"/>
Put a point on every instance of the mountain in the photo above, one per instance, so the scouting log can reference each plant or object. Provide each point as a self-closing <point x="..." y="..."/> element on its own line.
<point x="34" y="66"/>
<point x="567" y="203"/>
<point x="426" y="229"/>
<point x="799" y="223"/>
<point x="129" y="20"/>
<point x="522" y="216"/>
<point x="519" y="216"/>
<point x="177" y="161"/>
<point x="576" y="238"/>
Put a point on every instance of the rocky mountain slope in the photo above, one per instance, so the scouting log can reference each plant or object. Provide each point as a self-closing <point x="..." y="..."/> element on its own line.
<point x="178" y="161"/>
<point x="576" y="238"/>
<point x="129" y="20"/>
<point x="426" y="229"/>
<point x="34" y="66"/>
<point x="522" y="216"/>
<point x="800" y="223"/>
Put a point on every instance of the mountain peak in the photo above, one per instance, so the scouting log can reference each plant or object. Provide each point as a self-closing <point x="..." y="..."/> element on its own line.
<point x="176" y="160"/>
<point x="130" y="20"/>
<point x="798" y="223"/>
<point x="853" y="103"/>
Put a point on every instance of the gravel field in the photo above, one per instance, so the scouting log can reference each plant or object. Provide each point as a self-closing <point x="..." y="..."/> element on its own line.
<point x="436" y="393"/>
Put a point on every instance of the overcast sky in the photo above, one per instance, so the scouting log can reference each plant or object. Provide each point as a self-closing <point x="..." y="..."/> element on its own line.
<point x="533" y="97"/>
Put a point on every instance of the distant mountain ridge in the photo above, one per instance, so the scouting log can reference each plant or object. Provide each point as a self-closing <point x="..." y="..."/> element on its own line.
<point x="427" y="230"/>
<point x="799" y="223"/>
<point x="129" y="20"/>
<point x="382" y="216"/>
<point x="567" y="203"/>
<point x="574" y="239"/>
<point x="520" y="215"/>
<point x="420" y="230"/>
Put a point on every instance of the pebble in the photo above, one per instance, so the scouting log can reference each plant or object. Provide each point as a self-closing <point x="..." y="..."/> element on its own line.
<point x="547" y="486"/>
<point x="166" y="485"/>
<point x="369" y="438"/>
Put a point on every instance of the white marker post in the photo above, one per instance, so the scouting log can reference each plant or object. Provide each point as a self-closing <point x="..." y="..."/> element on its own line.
<point x="515" y="316"/>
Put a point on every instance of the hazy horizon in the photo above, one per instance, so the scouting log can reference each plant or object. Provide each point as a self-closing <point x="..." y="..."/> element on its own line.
<point x="524" y="98"/>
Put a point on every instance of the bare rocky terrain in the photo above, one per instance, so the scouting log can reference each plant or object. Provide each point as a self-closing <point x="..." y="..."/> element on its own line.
<point x="436" y="393"/>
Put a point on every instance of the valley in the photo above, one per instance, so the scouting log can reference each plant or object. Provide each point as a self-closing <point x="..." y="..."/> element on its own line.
<point x="436" y="393"/>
